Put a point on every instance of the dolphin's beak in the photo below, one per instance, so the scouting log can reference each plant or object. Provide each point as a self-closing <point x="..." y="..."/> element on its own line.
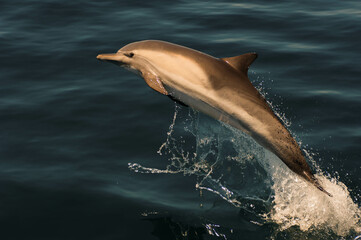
<point x="112" y="58"/>
<point x="108" y="57"/>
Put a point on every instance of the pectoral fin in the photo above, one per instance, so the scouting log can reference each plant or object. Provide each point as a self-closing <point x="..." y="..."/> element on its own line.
<point x="241" y="62"/>
<point x="154" y="82"/>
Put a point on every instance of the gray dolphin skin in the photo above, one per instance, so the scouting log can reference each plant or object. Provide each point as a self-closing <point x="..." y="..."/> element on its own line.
<point x="218" y="87"/>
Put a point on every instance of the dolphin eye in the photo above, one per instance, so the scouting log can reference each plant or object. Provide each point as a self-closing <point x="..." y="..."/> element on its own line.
<point x="130" y="55"/>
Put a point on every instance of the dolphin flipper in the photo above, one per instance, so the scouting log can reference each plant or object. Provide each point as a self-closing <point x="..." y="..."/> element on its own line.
<point x="154" y="82"/>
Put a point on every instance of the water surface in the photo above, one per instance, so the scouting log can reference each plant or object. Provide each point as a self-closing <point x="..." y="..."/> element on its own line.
<point x="80" y="138"/>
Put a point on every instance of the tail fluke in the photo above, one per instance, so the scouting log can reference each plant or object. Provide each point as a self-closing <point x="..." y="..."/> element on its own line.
<point x="323" y="190"/>
<point x="312" y="179"/>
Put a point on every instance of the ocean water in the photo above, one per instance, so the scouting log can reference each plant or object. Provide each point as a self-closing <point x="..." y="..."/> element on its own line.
<point x="89" y="151"/>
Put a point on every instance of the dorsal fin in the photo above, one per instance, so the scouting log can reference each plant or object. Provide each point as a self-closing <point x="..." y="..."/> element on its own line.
<point x="241" y="62"/>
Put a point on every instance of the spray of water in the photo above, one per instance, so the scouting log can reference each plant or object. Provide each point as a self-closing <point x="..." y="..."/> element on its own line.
<point x="233" y="166"/>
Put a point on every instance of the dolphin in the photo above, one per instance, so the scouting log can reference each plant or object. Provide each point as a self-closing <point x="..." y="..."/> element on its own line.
<point x="218" y="87"/>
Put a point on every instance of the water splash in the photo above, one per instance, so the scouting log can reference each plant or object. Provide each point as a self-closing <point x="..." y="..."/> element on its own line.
<point x="212" y="230"/>
<point x="298" y="203"/>
<point x="233" y="166"/>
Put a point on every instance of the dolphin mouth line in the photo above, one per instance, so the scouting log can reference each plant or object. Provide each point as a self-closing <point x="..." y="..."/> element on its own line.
<point x="113" y="61"/>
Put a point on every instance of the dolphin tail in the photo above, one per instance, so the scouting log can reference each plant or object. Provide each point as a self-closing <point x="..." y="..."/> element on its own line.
<point x="312" y="179"/>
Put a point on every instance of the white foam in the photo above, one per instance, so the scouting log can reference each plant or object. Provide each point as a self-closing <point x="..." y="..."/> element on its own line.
<point x="298" y="203"/>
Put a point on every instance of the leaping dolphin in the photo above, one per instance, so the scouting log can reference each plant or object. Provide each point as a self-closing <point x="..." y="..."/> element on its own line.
<point x="218" y="87"/>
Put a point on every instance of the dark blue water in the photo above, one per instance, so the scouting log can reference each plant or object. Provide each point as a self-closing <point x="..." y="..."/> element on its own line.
<point x="70" y="125"/>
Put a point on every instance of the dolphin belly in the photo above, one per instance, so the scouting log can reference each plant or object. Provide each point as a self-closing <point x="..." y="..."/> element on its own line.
<point x="206" y="108"/>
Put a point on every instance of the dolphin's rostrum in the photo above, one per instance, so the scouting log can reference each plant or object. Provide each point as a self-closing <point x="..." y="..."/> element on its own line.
<point x="218" y="87"/>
